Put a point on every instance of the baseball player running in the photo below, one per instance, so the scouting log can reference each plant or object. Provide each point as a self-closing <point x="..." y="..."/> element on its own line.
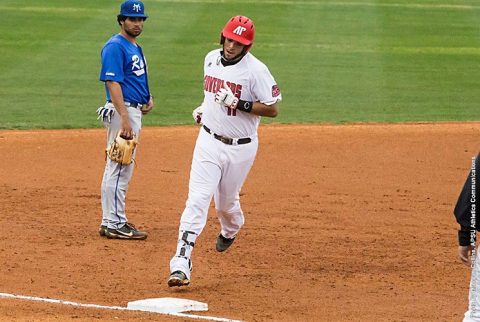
<point x="238" y="90"/>
<point x="466" y="215"/>
<point x="124" y="72"/>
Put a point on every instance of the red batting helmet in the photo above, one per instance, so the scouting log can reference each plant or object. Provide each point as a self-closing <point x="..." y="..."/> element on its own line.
<point x="240" y="29"/>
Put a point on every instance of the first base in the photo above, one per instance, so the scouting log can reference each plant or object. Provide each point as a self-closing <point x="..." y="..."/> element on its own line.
<point x="167" y="305"/>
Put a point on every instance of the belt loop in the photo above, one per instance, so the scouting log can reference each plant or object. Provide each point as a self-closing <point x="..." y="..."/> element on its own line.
<point x="134" y="105"/>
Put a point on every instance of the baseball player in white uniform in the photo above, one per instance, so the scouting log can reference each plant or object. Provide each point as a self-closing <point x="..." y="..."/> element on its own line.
<point x="238" y="89"/>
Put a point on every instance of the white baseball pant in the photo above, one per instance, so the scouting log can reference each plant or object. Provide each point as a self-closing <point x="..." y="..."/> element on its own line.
<point x="116" y="177"/>
<point x="473" y="313"/>
<point x="218" y="170"/>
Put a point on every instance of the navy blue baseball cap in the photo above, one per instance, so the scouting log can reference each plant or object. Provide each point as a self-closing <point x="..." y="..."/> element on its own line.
<point x="133" y="8"/>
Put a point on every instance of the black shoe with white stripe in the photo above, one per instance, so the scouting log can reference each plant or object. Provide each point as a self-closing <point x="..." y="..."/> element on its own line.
<point x="128" y="231"/>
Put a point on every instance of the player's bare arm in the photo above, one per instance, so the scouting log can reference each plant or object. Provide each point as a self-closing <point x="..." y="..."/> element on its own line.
<point x="261" y="109"/>
<point x="116" y="96"/>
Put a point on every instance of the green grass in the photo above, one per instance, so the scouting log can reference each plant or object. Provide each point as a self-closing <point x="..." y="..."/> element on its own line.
<point x="335" y="61"/>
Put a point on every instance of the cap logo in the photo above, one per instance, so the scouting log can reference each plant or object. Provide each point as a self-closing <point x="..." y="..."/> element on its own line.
<point x="136" y="7"/>
<point x="239" y="30"/>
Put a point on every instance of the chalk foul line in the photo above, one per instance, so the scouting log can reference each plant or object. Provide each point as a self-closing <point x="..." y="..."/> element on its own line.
<point x="105" y="307"/>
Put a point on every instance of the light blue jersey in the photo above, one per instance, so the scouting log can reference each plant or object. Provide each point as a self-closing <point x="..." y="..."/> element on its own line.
<point x="123" y="62"/>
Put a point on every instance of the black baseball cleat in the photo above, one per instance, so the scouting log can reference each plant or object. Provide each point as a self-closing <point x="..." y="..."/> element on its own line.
<point x="128" y="231"/>
<point x="223" y="243"/>
<point x="178" y="278"/>
<point x="102" y="230"/>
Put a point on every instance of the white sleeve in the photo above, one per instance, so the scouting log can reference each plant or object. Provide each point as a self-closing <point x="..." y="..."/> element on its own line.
<point x="264" y="88"/>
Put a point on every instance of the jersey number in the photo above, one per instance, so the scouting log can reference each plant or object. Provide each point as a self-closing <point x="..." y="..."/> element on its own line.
<point x="231" y="111"/>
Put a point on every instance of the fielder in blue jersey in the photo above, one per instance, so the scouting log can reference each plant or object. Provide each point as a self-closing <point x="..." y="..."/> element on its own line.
<point x="124" y="72"/>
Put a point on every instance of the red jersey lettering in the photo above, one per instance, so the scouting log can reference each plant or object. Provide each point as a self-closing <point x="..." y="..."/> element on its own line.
<point x="212" y="84"/>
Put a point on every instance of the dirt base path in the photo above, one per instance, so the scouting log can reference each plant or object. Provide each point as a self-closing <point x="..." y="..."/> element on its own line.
<point x="343" y="223"/>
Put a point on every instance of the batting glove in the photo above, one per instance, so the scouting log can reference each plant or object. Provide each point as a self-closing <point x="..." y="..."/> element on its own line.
<point x="105" y="113"/>
<point x="197" y="114"/>
<point x="225" y="97"/>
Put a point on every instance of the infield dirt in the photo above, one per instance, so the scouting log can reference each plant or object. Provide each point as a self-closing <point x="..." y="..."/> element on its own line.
<point x="343" y="223"/>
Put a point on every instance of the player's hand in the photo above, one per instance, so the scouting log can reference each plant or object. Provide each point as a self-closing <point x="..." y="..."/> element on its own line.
<point x="464" y="253"/>
<point x="197" y="114"/>
<point x="225" y="97"/>
<point x="148" y="107"/>
<point x="126" y="130"/>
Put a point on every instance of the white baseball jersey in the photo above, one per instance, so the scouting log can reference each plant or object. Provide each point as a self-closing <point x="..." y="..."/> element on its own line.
<point x="249" y="80"/>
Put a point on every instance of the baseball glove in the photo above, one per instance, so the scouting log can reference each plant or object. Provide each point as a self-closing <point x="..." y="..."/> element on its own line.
<point x="121" y="150"/>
